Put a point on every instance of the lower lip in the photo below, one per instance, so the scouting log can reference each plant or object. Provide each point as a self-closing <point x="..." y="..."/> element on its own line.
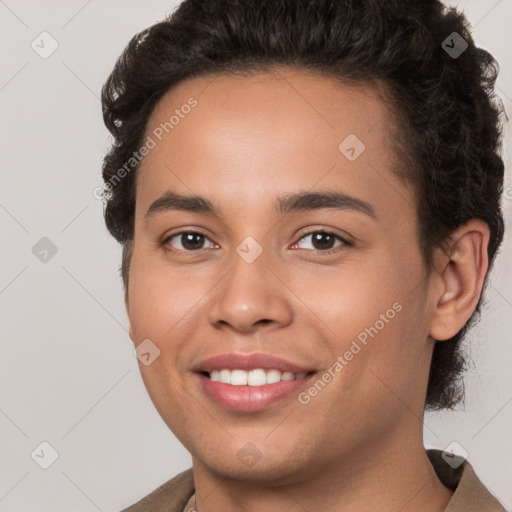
<point x="250" y="398"/>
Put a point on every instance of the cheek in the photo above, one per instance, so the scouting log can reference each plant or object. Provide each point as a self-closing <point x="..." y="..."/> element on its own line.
<point x="161" y="301"/>
<point x="375" y="314"/>
<point x="392" y="366"/>
<point x="350" y="297"/>
<point x="160" y="298"/>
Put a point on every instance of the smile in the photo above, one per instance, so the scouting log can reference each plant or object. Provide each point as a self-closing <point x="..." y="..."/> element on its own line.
<point x="250" y="382"/>
<point x="253" y="390"/>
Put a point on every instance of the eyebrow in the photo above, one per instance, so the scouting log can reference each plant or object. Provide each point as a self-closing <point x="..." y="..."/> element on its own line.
<point x="289" y="203"/>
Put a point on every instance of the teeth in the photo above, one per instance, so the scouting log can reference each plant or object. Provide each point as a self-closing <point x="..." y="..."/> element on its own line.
<point x="256" y="377"/>
<point x="273" y="376"/>
<point x="238" y="378"/>
<point x="225" y="376"/>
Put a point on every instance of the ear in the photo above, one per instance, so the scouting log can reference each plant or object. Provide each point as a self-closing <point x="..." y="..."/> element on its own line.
<point x="460" y="274"/>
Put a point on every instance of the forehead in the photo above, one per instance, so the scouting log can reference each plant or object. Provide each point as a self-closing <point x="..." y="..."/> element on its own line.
<point x="245" y="138"/>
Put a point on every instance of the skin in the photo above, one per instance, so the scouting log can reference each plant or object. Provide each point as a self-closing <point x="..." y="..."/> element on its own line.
<point x="249" y="140"/>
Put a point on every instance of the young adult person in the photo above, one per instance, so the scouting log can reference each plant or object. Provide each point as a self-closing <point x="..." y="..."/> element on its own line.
<point x="308" y="198"/>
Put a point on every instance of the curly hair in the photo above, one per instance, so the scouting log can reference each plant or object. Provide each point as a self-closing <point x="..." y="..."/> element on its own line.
<point x="447" y="114"/>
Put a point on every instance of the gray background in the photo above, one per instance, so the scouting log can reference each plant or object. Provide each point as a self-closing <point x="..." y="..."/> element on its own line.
<point x="69" y="376"/>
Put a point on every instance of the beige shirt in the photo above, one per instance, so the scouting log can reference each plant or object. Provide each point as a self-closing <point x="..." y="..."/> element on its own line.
<point x="470" y="495"/>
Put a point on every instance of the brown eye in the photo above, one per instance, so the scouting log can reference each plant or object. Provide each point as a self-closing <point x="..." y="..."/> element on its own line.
<point x="321" y="241"/>
<point x="186" y="241"/>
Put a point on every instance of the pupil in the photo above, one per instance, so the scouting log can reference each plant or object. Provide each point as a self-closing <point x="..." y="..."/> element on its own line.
<point x="325" y="244"/>
<point x="187" y="240"/>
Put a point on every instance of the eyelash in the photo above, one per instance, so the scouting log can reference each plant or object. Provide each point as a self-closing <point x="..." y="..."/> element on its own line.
<point x="304" y="235"/>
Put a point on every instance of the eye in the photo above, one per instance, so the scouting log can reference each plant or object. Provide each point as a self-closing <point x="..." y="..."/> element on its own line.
<point x="188" y="241"/>
<point x="322" y="241"/>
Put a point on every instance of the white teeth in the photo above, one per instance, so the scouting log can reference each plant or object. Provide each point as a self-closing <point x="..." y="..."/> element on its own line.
<point x="238" y="378"/>
<point x="225" y="376"/>
<point x="273" y="376"/>
<point x="256" y="377"/>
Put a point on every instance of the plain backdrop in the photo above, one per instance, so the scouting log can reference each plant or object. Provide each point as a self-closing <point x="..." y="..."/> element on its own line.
<point x="68" y="374"/>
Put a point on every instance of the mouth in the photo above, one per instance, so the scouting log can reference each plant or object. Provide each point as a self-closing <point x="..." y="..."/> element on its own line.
<point x="250" y="382"/>
<point x="251" y="391"/>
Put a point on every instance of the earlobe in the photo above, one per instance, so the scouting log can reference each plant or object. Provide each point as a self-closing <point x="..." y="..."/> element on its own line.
<point x="462" y="273"/>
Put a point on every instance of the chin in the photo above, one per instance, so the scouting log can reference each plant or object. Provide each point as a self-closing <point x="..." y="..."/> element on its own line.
<point x="277" y="468"/>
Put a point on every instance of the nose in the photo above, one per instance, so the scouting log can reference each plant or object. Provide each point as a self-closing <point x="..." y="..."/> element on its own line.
<point x="251" y="296"/>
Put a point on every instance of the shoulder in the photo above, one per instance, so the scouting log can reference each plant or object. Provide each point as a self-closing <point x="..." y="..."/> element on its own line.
<point x="470" y="494"/>
<point x="171" y="496"/>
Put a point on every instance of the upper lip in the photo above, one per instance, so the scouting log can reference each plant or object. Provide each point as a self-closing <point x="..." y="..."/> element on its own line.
<point x="234" y="361"/>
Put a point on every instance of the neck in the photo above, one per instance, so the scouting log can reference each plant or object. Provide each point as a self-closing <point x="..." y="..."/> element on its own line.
<point x="389" y="477"/>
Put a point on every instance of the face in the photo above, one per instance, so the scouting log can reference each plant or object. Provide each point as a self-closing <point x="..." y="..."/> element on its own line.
<point x="299" y="273"/>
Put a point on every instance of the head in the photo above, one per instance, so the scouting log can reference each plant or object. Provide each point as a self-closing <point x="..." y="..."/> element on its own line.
<point x="248" y="105"/>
